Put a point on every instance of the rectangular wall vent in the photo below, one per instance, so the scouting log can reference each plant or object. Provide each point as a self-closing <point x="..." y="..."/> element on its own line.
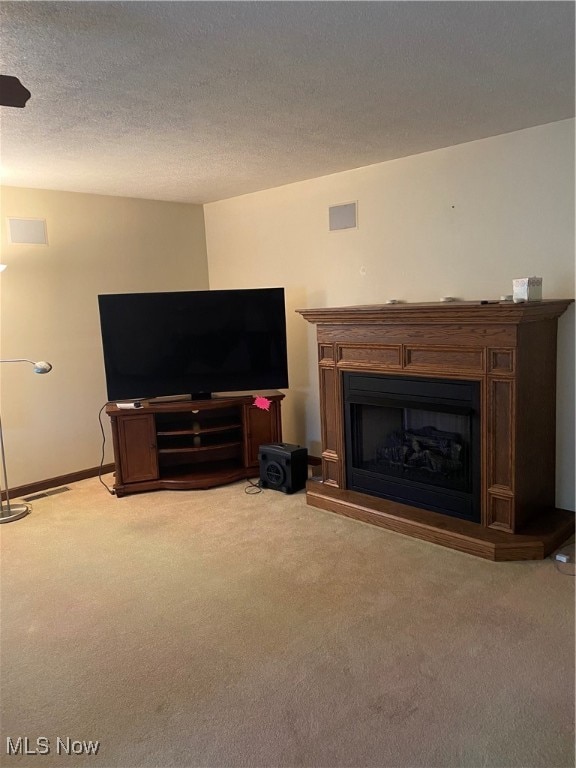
<point x="342" y="216"/>
<point x="27" y="231"/>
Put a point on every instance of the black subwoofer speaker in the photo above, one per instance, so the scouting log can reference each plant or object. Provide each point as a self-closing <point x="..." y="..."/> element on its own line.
<point x="283" y="467"/>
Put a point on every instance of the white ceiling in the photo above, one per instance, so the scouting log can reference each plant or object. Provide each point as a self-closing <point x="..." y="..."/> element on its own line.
<point x="200" y="101"/>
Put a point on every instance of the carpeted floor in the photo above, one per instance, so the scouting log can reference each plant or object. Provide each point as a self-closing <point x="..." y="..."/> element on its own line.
<point x="216" y="628"/>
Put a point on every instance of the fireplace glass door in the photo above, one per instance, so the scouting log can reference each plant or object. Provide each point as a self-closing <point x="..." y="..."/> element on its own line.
<point x="415" y="441"/>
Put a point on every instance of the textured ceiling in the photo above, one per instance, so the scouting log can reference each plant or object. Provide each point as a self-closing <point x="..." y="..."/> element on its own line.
<point x="199" y="101"/>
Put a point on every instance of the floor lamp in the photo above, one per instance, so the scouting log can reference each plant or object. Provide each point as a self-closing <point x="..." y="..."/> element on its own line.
<point x="8" y="510"/>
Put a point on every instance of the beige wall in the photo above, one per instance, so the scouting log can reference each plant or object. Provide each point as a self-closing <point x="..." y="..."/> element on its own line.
<point x="462" y="221"/>
<point x="49" y="311"/>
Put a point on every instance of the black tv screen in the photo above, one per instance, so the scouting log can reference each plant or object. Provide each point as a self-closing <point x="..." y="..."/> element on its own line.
<point x="193" y="342"/>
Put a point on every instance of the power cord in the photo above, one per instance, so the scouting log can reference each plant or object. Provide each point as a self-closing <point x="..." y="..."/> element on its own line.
<point x="111" y="491"/>
<point x="253" y="488"/>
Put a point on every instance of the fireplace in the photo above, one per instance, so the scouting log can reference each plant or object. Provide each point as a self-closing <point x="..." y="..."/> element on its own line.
<point x="415" y="441"/>
<point x="438" y="422"/>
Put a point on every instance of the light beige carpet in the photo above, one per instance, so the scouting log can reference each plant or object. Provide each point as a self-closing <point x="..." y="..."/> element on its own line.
<point x="216" y="628"/>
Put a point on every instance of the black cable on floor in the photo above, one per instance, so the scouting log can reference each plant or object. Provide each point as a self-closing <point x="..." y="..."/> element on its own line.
<point x="110" y="490"/>
<point x="252" y="488"/>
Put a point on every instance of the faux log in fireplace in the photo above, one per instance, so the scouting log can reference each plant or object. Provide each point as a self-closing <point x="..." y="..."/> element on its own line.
<point x="438" y="421"/>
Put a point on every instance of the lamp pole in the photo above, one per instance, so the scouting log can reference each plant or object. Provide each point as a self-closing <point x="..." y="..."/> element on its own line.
<point x="8" y="510"/>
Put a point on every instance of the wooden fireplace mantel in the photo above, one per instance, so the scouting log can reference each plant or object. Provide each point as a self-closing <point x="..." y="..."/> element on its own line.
<point x="467" y="312"/>
<point x="510" y="349"/>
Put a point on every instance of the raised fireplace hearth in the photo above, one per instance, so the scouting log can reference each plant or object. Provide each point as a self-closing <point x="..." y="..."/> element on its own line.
<point x="438" y="421"/>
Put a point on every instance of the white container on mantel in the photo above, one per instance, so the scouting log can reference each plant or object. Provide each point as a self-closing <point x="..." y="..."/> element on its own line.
<point x="527" y="289"/>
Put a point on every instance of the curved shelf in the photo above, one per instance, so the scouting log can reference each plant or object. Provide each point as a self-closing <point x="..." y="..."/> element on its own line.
<point x="199" y="448"/>
<point x="184" y="479"/>
<point x="203" y="431"/>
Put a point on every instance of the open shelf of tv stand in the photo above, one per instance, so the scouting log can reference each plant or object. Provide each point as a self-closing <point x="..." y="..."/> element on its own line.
<point x="191" y="444"/>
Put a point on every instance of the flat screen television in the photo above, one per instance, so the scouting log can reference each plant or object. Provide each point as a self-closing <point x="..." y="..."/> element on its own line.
<point x="193" y="342"/>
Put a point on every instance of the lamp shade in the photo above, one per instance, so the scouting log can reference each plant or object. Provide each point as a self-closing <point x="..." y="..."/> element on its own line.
<point x="42" y="367"/>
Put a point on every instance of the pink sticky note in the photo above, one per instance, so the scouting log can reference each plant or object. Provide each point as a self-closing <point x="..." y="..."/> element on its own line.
<point x="263" y="403"/>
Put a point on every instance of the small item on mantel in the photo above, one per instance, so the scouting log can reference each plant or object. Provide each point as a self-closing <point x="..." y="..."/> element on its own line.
<point x="527" y="289"/>
<point x="262" y="402"/>
<point x="446" y="299"/>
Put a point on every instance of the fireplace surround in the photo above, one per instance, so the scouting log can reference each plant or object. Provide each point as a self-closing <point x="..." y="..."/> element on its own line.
<point x="438" y="421"/>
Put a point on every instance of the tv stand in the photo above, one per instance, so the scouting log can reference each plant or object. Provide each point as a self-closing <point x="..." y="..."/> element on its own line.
<point x="191" y="444"/>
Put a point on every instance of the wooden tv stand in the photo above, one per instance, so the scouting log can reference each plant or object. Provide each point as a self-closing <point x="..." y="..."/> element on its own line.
<point x="189" y="444"/>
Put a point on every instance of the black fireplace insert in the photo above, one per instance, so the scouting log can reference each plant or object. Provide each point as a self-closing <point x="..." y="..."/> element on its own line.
<point x="414" y="440"/>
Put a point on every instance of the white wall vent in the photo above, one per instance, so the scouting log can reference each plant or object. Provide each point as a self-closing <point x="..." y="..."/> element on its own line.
<point x="342" y="217"/>
<point x="27" y="231"/>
